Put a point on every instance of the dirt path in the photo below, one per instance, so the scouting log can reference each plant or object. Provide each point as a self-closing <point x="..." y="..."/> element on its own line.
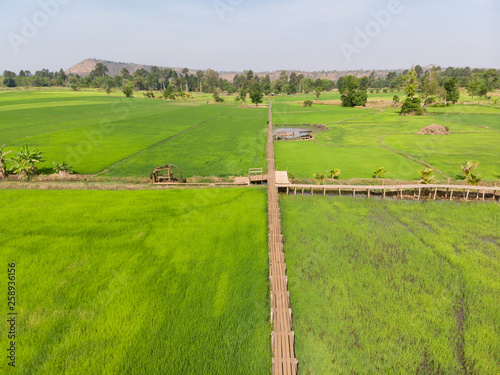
<point x="408" y="156"/>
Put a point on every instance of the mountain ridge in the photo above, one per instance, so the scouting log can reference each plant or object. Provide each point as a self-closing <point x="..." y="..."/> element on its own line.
<point x="84" y="68"/>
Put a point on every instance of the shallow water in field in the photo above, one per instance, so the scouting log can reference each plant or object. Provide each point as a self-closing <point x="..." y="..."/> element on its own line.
<point x="294" y="131"/>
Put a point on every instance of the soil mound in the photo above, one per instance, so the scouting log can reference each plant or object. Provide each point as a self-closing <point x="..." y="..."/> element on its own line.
<point x="434" y="129"/>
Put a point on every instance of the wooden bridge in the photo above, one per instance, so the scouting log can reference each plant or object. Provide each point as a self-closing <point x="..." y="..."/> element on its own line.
<point x="256" y="175"/>
<point x="413" y="191"/>
<point x="282" y="340"/>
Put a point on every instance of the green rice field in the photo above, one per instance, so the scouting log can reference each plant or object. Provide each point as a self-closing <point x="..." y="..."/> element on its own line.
<point x="114" y="136"/>
<point x="144" y="282"/>
<point x="94" y="133"/>
<point x="359" y="140"/>
<point x="393" y="286"/>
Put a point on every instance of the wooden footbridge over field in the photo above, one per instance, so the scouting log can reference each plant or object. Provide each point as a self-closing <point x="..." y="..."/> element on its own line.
<point x="409" y="191"/>
<point x="284" y="361"/>
<point x="282" y="340"/>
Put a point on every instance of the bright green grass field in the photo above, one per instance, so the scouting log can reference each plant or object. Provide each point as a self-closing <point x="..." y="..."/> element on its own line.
<point x="144" y="282"/>
<point x="295" y="114"/>
<point x="93" y="132"/>
<point x="229" y="144"/>
<point x="360" y="140"/>
<point x="393" y="287"/>
<point x="303" y="159"/>
<point x="480" y="121"/>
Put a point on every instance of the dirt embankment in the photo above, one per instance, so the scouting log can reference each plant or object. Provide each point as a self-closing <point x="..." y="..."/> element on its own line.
<point x="434" y="129"/>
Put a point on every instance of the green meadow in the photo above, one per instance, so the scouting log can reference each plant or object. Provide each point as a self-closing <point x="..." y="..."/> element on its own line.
<point x="95" y="132"/>
<point x="393" y="286"/>
<point x="359" y="140"/>
<point x="138" y="282"/>
<point x="228" y="144"/>
<point x="116" y="136"/>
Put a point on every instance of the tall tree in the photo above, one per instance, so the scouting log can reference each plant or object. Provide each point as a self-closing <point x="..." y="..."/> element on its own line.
<point x="212" y="80"/>
<point x="250" y="75"/>
<point x="294" y="80"/>
<point x="318" y="92"/>
<point x="9" y="78"/>
<point x="125" y="73"/>
<point x="352" y="95"/>
<point x="419" y="70"/>
<point x="100" y="71"/>
<point x="266" y="84"/>
<point x="201" y="75"/>
<point x="431" y="88"/>
<point x="477" y="87"/>
<point x="411" y="83"/>
<point x="452" y="91"/>
<point x="185" y="73"/>
<point x="256" y="94"/>
<point x="284" y="77"/>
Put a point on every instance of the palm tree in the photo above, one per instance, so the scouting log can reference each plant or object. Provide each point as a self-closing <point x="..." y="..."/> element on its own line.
<point x="474" y="179"/>
<point x="379" y="171"/>
<point x="469" y="167"/>
<point x="426" y="176"/>
<point x="3" y="162"/>
<point x="319" y="178"/>
<point x="334" y="173"/>
<point x="24" y="161"/>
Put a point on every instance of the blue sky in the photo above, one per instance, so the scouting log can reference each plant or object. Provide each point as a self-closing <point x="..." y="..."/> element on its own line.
<point x="251" y="34"/>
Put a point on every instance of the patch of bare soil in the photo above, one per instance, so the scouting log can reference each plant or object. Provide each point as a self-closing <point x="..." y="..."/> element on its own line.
<point x="378" y="104"/>
<point x="326" y="102"/>
<point x="434" y="129"/>
<point x="320" y="127"/>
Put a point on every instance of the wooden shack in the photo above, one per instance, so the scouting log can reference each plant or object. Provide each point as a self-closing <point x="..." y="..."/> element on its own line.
<point x="166" y="174"/>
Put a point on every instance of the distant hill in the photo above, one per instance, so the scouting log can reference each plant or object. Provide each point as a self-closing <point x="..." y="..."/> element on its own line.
<point x="84" y="68"/>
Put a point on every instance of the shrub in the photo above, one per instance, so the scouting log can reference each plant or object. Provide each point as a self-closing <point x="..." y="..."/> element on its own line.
<point x="354" y="98"/>
<point x="412" y="107"/>
<point x="25" y="160"/>
<point x="63" y="168"/>
<point x="128" y="91"/>
<point x="307" y="103"/>
<point x="334" y="173"/>
<point x="218" y="98"/>
<point x="320" y="177"/>
<point x="474" y="179"/>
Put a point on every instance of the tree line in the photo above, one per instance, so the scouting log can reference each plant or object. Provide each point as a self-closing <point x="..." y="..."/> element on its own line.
<point x="432" y="79"/>
<point x="207" y="81"/>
